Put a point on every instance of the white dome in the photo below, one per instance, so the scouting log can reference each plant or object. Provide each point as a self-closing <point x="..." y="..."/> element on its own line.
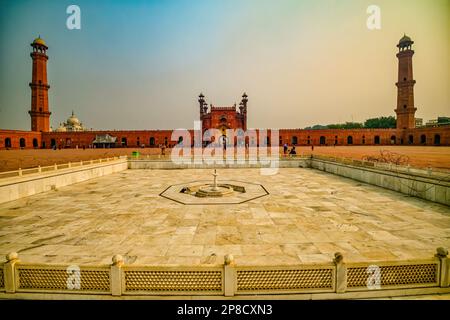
<point x="61" y="128"/>
<point x="73" y="120"/>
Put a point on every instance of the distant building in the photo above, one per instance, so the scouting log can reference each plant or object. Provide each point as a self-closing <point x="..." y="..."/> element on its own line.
<point x="104" y="141"/>
<point x="439" y="122"/>
<point x="72" y="134"/>
<point x="419" y="122"/>
<point x="443" y="121"/>
<point x="72" y="124"/>
<point x="223" y="118"/>
<point x="432" y="123"/>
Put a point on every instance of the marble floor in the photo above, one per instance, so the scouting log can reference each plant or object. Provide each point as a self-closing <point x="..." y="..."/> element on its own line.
<point x="307" y="216"/>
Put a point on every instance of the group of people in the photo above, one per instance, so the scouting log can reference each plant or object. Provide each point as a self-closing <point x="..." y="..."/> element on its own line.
<point x="287" y="151"/>
<point x="291" y="152"/>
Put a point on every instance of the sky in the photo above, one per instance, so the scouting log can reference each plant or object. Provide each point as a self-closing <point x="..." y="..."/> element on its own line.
<point x="142" y="64"/>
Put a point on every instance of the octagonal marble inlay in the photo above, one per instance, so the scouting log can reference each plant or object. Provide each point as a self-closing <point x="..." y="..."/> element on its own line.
<point x="252" y="191"/>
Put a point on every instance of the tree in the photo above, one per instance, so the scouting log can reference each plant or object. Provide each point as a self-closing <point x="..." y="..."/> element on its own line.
<point x="316" y="127"/>
<point x="380" y="123"/>
<point x="347" y="125"/>
<point x="374" y="123"/>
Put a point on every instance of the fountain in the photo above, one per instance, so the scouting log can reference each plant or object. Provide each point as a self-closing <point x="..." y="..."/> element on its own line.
<point x="212" y="190"/>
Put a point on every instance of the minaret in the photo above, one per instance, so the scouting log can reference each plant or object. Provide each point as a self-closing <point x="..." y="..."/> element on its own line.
<point x="243" y="109"/>
<point x="201" y="102"/>
<point x="405" y="86"/>
<point x="40" y="116"/>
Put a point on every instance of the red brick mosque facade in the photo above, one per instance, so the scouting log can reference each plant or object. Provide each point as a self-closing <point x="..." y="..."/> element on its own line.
<point x="223" y="118"/>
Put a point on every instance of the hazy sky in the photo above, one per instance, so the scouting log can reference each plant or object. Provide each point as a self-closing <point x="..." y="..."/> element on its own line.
<point x="142" y="64"/>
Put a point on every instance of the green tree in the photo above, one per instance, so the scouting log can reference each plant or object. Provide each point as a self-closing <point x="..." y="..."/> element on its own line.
<point x="380" y="123"/>
<point x="347" y="125"/>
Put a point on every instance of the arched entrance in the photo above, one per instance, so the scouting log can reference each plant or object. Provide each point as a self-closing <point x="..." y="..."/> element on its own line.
<point x="437" y="139"/>
<point x="322" y="140"/>
<point x="8" y="143"/>
<point x="22" y="142"/>
<point x="393" y="139"/>
<point x="423" y="139"/>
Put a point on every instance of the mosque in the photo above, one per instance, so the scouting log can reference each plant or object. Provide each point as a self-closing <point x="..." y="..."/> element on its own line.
<point x="71" y="125"/>
<point x="72" y="133"/>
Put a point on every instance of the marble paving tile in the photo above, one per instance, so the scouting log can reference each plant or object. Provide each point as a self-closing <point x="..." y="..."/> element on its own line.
<point x="306" y="218"/>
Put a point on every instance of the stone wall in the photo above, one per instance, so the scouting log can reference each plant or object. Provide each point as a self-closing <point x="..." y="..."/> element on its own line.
<point x="300" y="137"/>
<point x="414" y="182"/>
<point x="23" y="186"/>
<point x="16" y="139"/>
<point x="299" y="162"/>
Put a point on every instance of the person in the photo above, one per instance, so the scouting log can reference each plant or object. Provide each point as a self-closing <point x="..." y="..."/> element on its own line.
<point x="312" y="148"/>
<point x="293" y="152"/>
<point x="163" y="150"/>
<point x="285" y="149"/>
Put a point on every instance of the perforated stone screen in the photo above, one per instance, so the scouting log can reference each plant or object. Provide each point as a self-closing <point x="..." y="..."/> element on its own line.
<point x="282" y="280"/>
<point x="396" y="275"/>
<point x="173" y="281"/>
<point x="34" y="278"/>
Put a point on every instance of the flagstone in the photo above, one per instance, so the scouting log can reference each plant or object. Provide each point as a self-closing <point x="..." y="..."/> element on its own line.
<point x="306" y="218"/>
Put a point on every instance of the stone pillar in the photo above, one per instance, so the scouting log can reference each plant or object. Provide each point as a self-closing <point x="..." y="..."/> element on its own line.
<point x="229" y="276"/>
<point x="116" y="275"/>
<point x="341" y="273"/>
<point x="9" y="275"/>
<point x="441" y="254"/>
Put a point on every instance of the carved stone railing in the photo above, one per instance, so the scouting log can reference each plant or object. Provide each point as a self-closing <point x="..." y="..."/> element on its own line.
<point x="37" y="170"/>
<point x="335" y="279"/>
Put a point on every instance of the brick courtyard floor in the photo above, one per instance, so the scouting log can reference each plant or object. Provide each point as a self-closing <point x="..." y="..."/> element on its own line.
<point x="307" y="217"/>
<point x="436" y="157"/>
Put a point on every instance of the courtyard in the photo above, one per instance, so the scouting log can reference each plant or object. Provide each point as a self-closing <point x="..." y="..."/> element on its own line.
<point x="416" y="156"/>
<point x="306" y="217"/>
